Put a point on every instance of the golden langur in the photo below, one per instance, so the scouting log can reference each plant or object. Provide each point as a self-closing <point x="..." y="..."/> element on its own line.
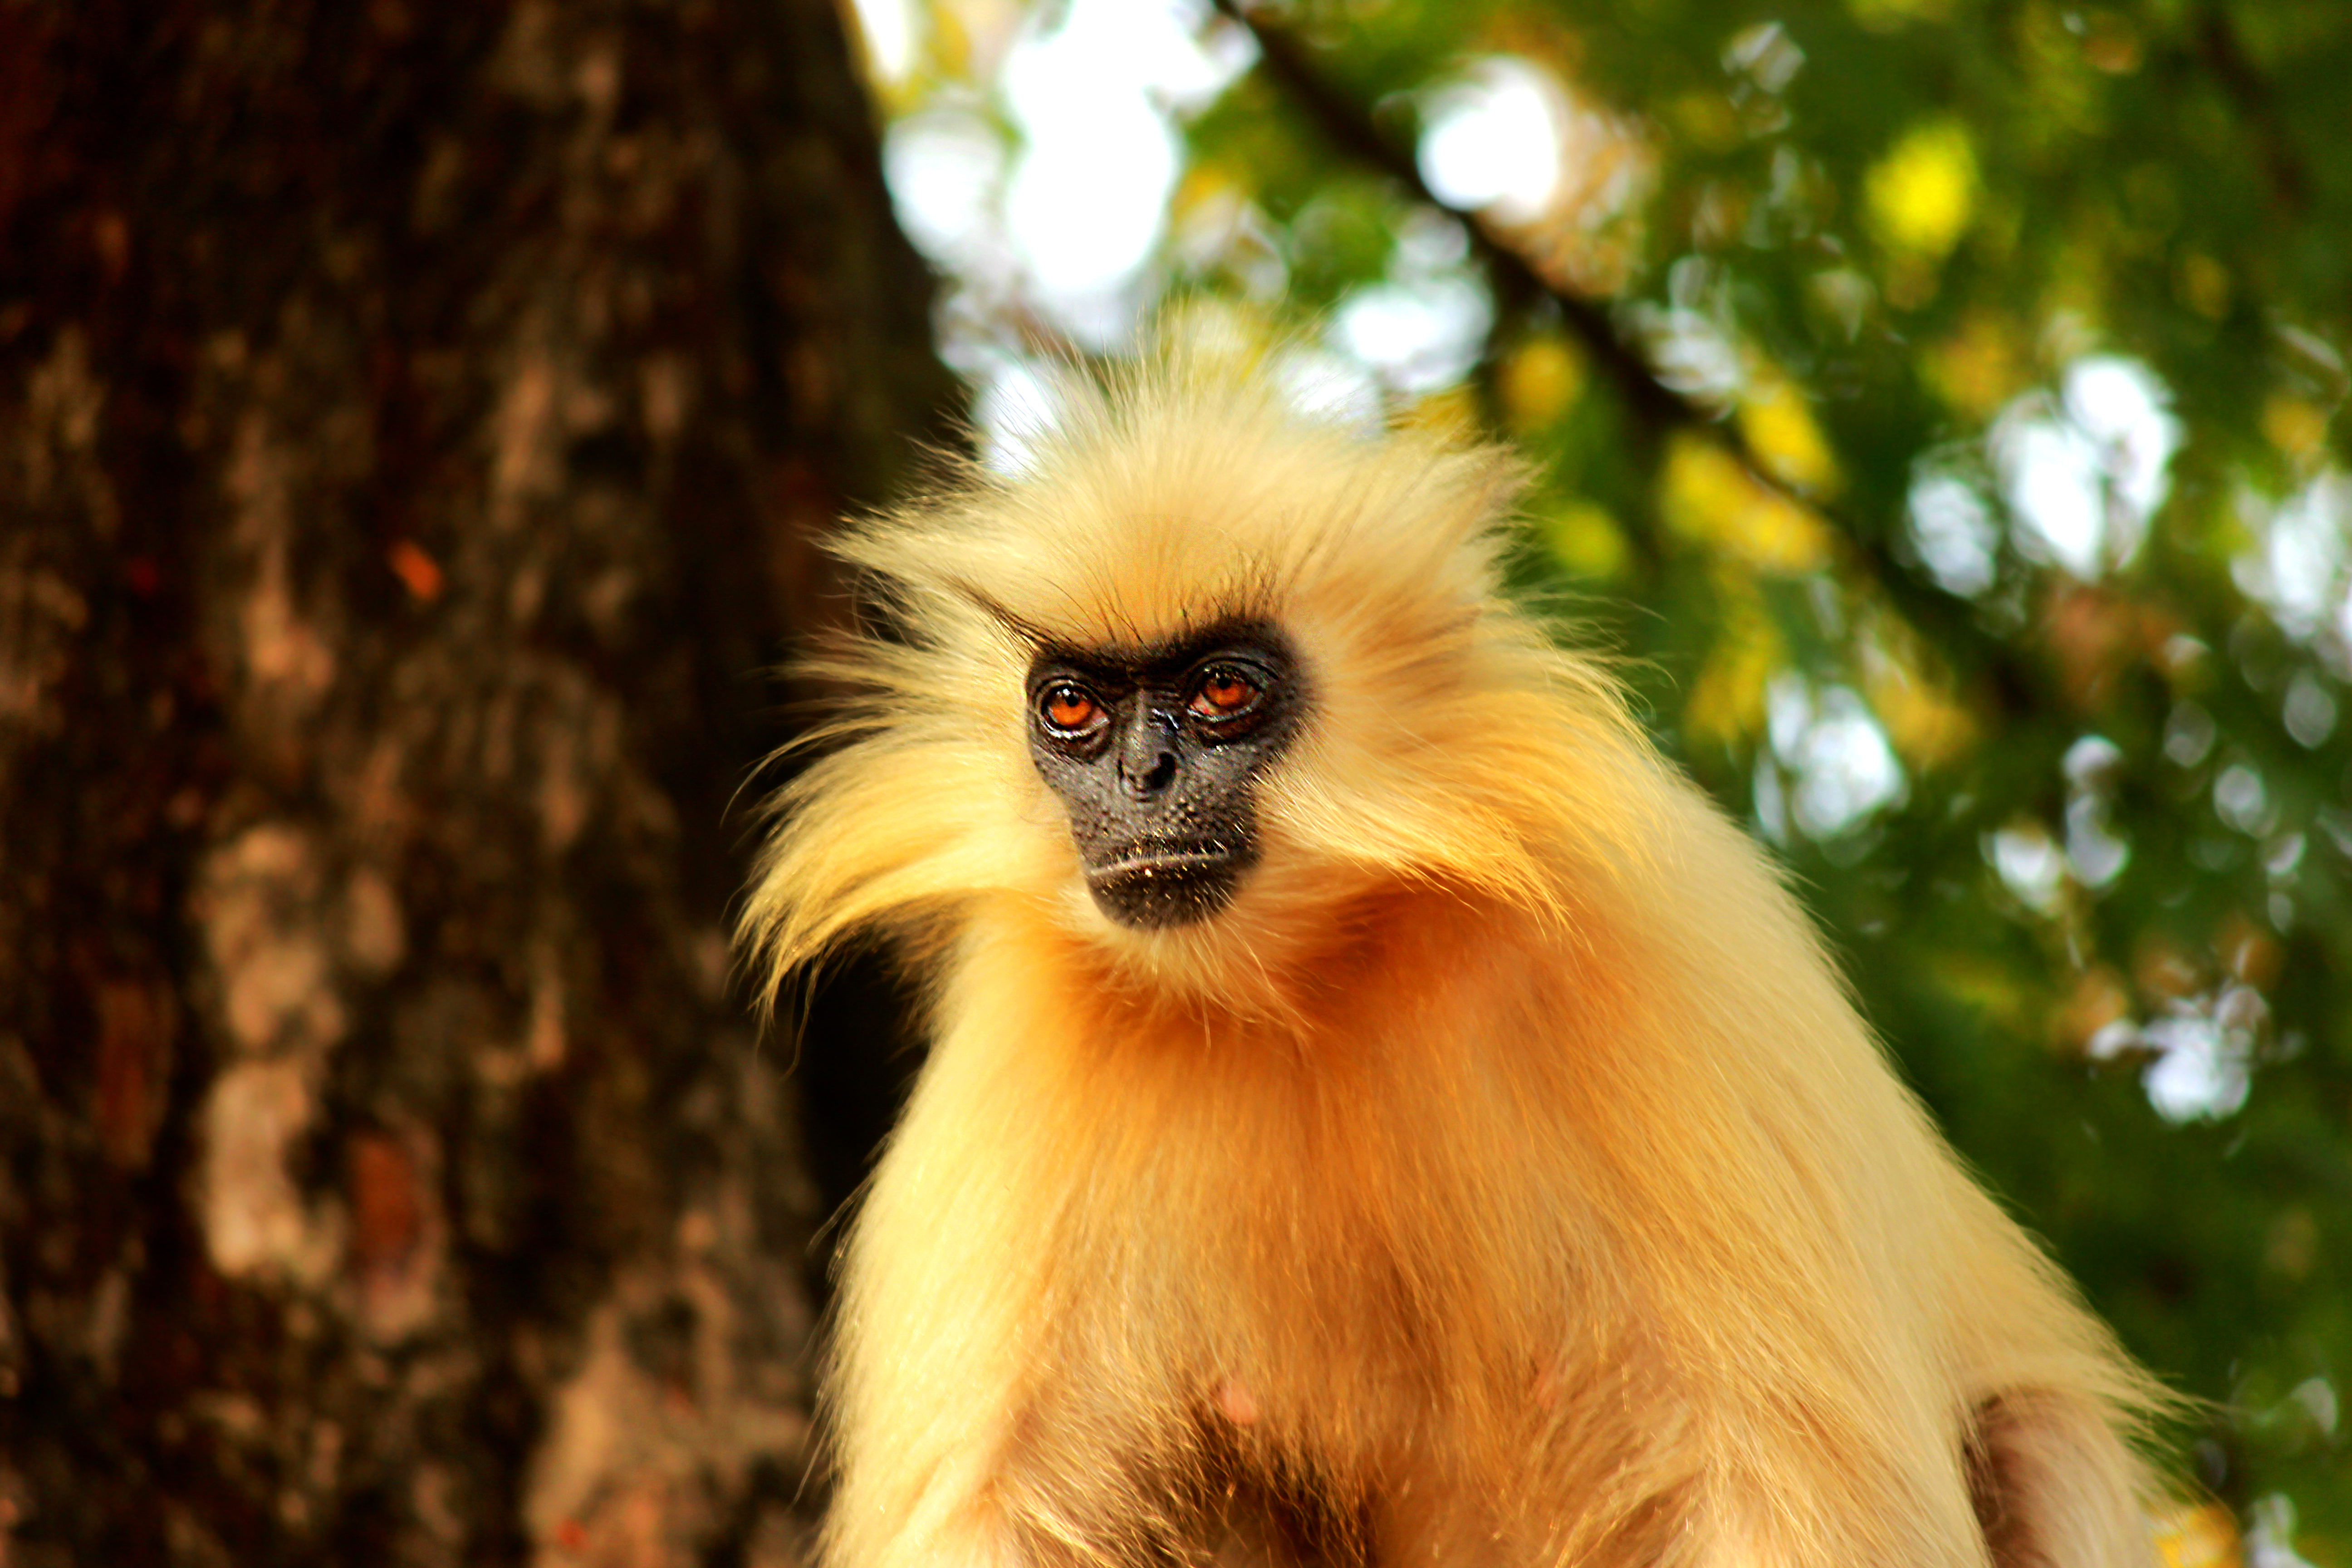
<point x="1378" y="1112"/>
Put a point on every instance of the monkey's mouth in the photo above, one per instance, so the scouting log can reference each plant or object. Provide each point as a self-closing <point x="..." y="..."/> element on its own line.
<point x="1155" y="886"/>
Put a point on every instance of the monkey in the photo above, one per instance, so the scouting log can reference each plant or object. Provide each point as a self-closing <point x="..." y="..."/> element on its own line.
<point x="1377" y="1111"/>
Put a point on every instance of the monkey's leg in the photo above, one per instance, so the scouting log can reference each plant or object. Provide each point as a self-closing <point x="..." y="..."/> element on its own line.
<point x="1054" y="1486"/>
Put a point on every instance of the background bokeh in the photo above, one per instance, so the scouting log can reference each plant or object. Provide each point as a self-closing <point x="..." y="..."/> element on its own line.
<point x="419" y="423"/>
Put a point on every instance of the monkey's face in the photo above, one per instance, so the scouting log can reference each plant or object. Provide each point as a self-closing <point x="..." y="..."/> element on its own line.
<point x="1155" y="753"/>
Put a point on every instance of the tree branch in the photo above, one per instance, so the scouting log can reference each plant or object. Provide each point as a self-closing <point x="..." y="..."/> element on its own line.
<point x="1946" y="619"/>
<point x="2225" y="55"/>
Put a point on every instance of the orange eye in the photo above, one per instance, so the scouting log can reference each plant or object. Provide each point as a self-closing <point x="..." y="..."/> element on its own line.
<point x="1224" y="693"/>
<point x="1070" y="708"/>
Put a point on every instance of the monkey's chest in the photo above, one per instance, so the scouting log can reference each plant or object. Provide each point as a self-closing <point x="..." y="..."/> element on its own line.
<point x="1308" y="1310"/>
<point x="1308" y="1247"/>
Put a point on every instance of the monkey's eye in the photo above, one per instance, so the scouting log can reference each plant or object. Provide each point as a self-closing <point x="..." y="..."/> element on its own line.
<point x="1225" y="692"/>
<point x="1068" y="709"/>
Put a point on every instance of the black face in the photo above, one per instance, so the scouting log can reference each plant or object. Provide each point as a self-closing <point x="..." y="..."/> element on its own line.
<point x="1154" y="752"/>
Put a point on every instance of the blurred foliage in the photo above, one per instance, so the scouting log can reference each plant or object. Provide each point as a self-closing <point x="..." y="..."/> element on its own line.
<point x="1940" y="410"/>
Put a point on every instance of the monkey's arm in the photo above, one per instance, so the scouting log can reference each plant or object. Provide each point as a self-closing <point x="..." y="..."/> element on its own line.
<point x="945" y="1270"/>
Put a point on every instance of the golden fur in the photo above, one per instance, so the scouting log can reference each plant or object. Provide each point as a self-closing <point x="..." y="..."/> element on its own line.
<point x="1504" y="1177"/>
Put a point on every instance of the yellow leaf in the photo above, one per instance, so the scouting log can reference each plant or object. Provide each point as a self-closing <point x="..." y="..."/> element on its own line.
<point x="2294" y="426"/>
<point x="1709" y="118"/>
<point x="1924" y="724"/>
<point x="1783" y="433"/>
<point x="1727" y="700"/>
<point x="1201" y="186"/>
<point x="2200" y="1537"/>
<point x="1705" y="495"/>
<point x="1539" y="382"/>
<point x="1923" y="193"/>
<point x="1584" y="539"/>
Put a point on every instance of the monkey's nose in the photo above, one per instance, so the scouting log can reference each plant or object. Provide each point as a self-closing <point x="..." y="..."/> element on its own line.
<point x="1145" y="783"/>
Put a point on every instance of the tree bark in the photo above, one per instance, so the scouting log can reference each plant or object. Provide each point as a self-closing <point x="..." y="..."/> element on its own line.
<point x="414" y="420"/>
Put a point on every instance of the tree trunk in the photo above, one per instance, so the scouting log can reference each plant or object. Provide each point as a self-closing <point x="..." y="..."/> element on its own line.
<point x="415" y="419"/>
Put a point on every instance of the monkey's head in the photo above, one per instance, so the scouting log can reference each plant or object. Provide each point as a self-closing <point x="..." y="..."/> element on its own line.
<point x="1156" y="750"/>
<point x="1204" y="675"/>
